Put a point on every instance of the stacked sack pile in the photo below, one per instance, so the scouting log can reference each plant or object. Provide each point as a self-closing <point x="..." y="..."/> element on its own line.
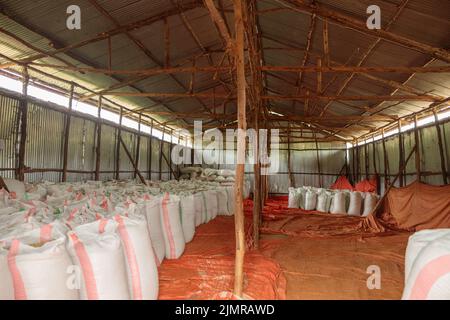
<point x="225" y="177"/>
<point x="98" y="240"/>
<point x="353" y="203"/>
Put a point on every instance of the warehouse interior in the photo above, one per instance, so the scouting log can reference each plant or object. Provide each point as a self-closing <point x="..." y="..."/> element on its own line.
<point x="98" y="99"/>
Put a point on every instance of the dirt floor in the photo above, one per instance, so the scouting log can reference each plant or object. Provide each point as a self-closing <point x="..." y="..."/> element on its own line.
<point x="302" y="255"/>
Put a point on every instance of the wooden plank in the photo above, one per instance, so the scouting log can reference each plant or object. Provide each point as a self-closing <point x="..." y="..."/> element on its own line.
<point x="66" y="135"/>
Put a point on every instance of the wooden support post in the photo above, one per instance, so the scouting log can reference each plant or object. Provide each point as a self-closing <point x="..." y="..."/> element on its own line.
<point x="441" y="148"/>
<point x="150" y="152"/>
<point x="366" y="159"/>
<point x="291" y="177"/>
<point x="99" y="140"/>
<point x="326" y="49"/>
<point x="377" y="206"/>
<point x="241" y="105"/>
<point x="161" y="155"/>
<point x="401" y="153"/>
<point x="130" y="157"/>
<point x="386" y="161"/>
<point x="358" y="177"/>
<point x="138" y="146"/>
<point x="66" y="135"/>
<point x="318" y="160"/>
<point x="374" y="150"/>
<point x="353" y="163"/>
<point x="23" y="107"/>
<point x="417" y="141"/>
<point x="119" y="138"/>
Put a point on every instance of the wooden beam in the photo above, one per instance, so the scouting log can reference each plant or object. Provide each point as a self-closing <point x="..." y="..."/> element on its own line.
<point x="357" y="69"/>
<point x="318" y="161"/>
<point x="241" y="104"/>
<point x="219" y="22"/>
<point x="417" y="141"/>
<point x="441" y="147"/>
<point x="360" y="26"/>
<point x="141" y="72"/>
<point x="378" y="205"/>
<point x="352" y="98"/>
<point x="300" y="74"/>
<point x="119" y="140"/>
<point x="386" y="161"/>
<point x="99" y="140"/>
<point x="326" y="46"/>
<point x="401" y="150"/>
<point x="138" y="145"/>
<point x="166" y="43"/>
<point x="66" y="135"/>
<point x="23" y="108"/>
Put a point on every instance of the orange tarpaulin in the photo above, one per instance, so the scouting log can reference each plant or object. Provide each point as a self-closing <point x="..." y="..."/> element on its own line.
<point x="419" y="206"/>
<point x="342" y="183"/>
<point x="368" y="185"/>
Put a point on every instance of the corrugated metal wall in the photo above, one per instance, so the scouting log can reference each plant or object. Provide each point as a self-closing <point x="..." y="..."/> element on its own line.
<point x="430" y="161"/>
<point x="8" y="119"/>
<point x="45" y="144"/>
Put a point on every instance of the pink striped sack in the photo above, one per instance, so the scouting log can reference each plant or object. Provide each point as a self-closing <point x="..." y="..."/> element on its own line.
<point x="35" y="266"/>
<point x="96" y="250"/>
<point x="171" y="225"/>
<point x="140" y="259"/>
<point x="427" y="266"/>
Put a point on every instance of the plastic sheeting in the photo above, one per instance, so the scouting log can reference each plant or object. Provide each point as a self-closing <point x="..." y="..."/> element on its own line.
<point x="420" y="206"/>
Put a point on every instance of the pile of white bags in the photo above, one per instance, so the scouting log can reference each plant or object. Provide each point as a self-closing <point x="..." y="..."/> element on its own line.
<point x="332" y="201"/>
<point x="427" y="266"/>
